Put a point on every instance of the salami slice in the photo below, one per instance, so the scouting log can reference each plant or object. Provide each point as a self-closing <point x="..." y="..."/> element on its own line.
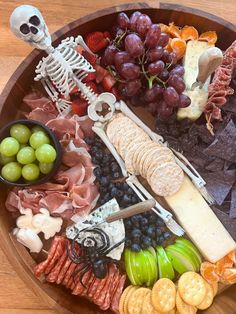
<point x="108" y="294"/>
<point x="79" y="288"/>
<point x="69" y="274"/>
<point x="63" y="270"/>
<point x="40" y="268"/>
<point x="58" y="252"/>
<point x="53" y="275"/>
<point x="72" y="281"/>
<point x="88" y="283"/>
<point x="116" y="297"/>
<point x="99" y="284"/>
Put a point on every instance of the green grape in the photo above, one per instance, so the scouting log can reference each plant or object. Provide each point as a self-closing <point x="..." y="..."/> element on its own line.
<point x="23" y="145"/>
<point x="46" y="153"/>
<point x="37" y="139"/>
<point x="26" y="155"/>
<point x="45" y="168"/>
<point x="5" y="160"/>
<point x="37" y="128"/>
<point x="30" y="172"/>
<point x="11" y="171"/>
<point x="9" y="146"/>
<point x="20" y="132"/>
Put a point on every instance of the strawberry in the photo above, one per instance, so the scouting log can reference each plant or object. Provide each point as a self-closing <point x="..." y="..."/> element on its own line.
<point x="107" y="35"/>
<point x="108" y="82"/>
<point x="79" y="107"/>
<point x="96" y="41"/>
<point x="91" y="76"/>
<point x="79" y="49"/>
<point x="116" y="93"/>
<point x="93" y="86"/>
<point x="89" y="57"/>
<point x="100" y="73"/>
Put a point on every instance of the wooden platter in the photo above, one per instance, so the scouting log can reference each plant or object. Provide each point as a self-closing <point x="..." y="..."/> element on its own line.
<point x="19" y="85"/>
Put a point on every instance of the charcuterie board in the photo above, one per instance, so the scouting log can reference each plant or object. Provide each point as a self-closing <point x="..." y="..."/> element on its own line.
<point x="19" y="86"/>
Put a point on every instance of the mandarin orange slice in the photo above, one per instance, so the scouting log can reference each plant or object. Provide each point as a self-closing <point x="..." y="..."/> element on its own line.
<point x="232" y="256"/>
<point x="174" y="30"/>
<point x="229" y="276"/>
<point x="189" y="33"/>
<point x="210" y="37"/>
<point x="164" y="27"/>
<point x="168" y="47"/>
<point x="178" y="46"/>
<point x="208" y="272"/>
<point x="222" y="264"/>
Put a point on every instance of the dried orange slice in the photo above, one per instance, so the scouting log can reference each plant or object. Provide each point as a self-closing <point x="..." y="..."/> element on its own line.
<point x="164" y="27"/>
<point x="210" y="37"/>
<point x="189" y="33"/>
<point x="168" y="47"/>
<point x="174" y="30"/>
<point x="222" y="264"/>
<point x="232" y="256"/>
<point x="229" y="276"/>
<point x="178" y="46"/>
<point x="208" y="272"/>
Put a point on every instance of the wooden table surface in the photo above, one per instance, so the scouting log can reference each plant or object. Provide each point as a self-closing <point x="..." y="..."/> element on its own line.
<point x="15" y="296"/>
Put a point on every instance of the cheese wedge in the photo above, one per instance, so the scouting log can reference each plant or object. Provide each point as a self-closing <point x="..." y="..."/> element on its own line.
<point x="198" y="96"/>
<point x="200" y="223"/>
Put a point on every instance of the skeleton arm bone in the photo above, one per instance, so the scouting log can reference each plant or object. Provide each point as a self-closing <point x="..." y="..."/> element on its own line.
<point x="80" y="41"/>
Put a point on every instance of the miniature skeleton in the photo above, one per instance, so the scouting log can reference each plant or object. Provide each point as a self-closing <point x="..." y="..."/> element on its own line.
<point x="63" y="68"/>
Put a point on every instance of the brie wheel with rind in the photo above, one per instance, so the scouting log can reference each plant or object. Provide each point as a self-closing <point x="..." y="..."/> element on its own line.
<point x="200" y="223"/>
<point x="198" y="96"/>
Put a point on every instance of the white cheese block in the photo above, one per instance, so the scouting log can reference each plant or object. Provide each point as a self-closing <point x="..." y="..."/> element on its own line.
<point x="198" y="97"/>
<point x="200" y="223"/>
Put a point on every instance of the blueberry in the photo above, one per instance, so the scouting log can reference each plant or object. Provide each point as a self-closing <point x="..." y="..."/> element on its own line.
<point x="106" y="170"/>
<point x="146" y="241"/>
<point x="151" y="232"/>
<point x="154" y="243"/>
<point x="167" y="235"/>
<point x="135" y="220"/>
<point x="89" y="140"/>
<point x="126" y="199"/>
<point x="107" y="197"/>
<point x="128" y="243"/>
<point x="102" y="201"/>
<point x="161" y="239"/>
<point x="99" y="144"/>
<point x="144" y="246"/>
<point x="160" y="223"/>
<point x="144" y="221"/>
<point x="130" y="191"/>
<point x="134" y="200"/>
<point x="128" y="224"/>
<point x="135" y="247"/>
<point x="104" y="181"/>
<point x="103" y="190"/>
<point x="125" y="186"/>
<point x="136" y="233"/>
<point x="116" y="175"/>
<point x="106" y="158"/>
<point x="157" y="239"/>
<point x="95" y="161"/>
<point x="97" y="171"/>
<point x="114" y="191"/>
<point x="119" y="193"/>
<point x="111" y="185"/>
<point x="99" y="155"/>
<point x="152" y="218"/>
<point x="118" y="185"/>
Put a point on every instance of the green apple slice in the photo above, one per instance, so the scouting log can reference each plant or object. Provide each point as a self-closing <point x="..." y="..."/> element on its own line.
<point x="151" y="270"/>
<point x="129" y="268"/>
<point x="152" y="251"/>
<point x="186" y="254"/>
<point x="190" y="253"/>
<point x="164" y="264"/>
<point x="191" y="246"/>
<point x="180" y="262"/>
<point x="137" y="264"/>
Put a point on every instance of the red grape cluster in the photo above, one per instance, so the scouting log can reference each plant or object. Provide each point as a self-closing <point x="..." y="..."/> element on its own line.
<point x="147" y="73"/>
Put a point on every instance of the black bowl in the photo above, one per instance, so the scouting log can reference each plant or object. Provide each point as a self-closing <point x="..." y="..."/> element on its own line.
<point x="5" y="131"/>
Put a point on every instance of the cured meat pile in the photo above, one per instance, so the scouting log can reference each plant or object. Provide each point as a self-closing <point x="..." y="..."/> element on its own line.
<point x="219" y="88"/>
<point x="72" y="191"/>
<point x="58" y="268"/>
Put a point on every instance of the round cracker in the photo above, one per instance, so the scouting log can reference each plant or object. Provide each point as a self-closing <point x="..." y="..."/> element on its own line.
<point x="157" y="162"/>
<point x="123" y="297"/>
<point x="133" y="147"/>
<point x="163" y="295"/>
<point x="167" y="179"/>
<point x="147" y="307"/>
<point x="155" y="151"/>
<point x="139" y="151"/>
<point x="115" y="125"/>
<point x="127" y="297"/>
<point x="136" y="300"/>
<point x="192" y="288"/>
<point x="144" y="152"/>
<point x="208" y="299"/>
<point x="184" y="308"/>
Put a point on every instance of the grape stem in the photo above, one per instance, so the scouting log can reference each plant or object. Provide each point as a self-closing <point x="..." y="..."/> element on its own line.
<point x="112" y="72"/>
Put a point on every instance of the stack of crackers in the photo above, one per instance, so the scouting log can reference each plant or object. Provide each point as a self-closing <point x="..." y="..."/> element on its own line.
<point x="191" y="293"/>
<point x="144" y="157"/>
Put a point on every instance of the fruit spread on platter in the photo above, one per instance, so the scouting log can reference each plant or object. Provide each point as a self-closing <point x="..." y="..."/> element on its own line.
<point x="115" y="245"/>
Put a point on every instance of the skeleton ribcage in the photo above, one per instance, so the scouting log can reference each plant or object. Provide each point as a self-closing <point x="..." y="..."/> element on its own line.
<point x="63" y="65"/>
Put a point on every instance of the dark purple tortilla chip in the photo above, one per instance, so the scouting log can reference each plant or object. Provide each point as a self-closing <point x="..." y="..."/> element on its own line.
<point x="224" y="146"/>
<point x="229" y="223"/>
<point x="232" y="212"/>
<point x="219" y="183"/>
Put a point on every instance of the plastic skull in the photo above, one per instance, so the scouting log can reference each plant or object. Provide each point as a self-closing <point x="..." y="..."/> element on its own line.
<point x="28" y="24"/>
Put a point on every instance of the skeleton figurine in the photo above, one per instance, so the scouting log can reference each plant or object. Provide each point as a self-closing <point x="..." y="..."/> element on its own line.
<point x="63" y="68"/>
